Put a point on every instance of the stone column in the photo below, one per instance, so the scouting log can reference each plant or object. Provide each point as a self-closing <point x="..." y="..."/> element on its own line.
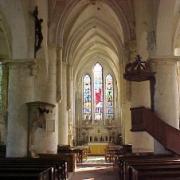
<point x="59" y="75"/>
<point x="141" y="97"/>
<point x="140" y="91"/>
<point x="63" y="112"/>
<point x="52" y="137"/>
<point x="19" y="93"/>
<point x="45" y="91"/>
<point x="70" y="105"/>
<point x="166" y="93"/>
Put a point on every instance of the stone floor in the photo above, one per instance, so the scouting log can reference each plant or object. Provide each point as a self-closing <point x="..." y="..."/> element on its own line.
<point x="95" y="168"/>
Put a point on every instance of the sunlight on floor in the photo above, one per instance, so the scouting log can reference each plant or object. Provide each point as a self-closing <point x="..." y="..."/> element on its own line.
<point x="91" y="168"/>
<point x="95" y="160"/>
<point x="95" y="168"/>
<point x="93" y="163"/>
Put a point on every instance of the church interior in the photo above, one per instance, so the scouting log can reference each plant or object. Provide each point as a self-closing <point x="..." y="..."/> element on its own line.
<point x="89" y="78"/>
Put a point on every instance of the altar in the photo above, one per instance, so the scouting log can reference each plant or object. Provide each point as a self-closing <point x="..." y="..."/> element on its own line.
<point x="97" y="148"/>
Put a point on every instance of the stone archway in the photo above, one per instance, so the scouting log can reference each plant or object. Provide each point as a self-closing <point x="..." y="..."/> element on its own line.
<point x="88" y="31"/>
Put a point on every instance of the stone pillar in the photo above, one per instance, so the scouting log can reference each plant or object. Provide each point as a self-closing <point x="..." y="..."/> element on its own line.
<point x="141" y="97"/>
<point x="52" y="137"/>
<point x="70" y="105"/>
<point x="59" y="75"/>
<point x="140" y="91"/>
<point x="45" y="91"/>
<point x="63" y="112"/>
<point x="20" y="92"/>
<point x="166" y="93"/>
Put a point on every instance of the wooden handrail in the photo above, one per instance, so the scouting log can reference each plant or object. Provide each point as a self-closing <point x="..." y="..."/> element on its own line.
<point x="144" y="119"/>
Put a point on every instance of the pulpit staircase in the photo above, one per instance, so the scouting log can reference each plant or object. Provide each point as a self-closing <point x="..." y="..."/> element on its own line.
<point x="144" y="119"/>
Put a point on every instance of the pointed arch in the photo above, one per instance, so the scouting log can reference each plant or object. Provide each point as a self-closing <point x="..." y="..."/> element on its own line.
<point x="109" y="97"/>
<point x="87" y="97"/>
<point x="98" y="91"/>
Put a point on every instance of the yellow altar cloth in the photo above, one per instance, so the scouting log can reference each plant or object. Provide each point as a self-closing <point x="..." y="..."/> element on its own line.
<point x="97" y="148"/>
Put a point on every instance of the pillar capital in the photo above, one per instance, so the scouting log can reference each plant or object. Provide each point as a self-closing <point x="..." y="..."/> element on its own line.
<point x="25" y="64"/>
<point x="164" y="60"/>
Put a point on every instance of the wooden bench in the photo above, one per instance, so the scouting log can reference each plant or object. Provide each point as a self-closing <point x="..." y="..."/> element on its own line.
<point x="111" y="155"/>
<point x="127" y="164"/>
<point x="26" y="173"/>
<point x="2" y="151"/>
<point x="81" y="153"/>
<point x="67" y="157"/>
<point x="58" y="168"/>
<point x="114" y="151"/>
<point x="156" y="171"/>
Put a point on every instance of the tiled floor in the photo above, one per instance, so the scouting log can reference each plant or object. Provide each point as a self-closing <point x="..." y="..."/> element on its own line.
<point x="95" y="168"/>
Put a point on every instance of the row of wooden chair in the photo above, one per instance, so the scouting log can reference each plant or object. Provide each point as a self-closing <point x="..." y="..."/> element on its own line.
<point x="112" y="152"/>
<point x="80" y="152"/>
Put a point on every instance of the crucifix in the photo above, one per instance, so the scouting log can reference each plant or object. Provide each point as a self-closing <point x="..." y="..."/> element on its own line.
<point x="38" y="31"/>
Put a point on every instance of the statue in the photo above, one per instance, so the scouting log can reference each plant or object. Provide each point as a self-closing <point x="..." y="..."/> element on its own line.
<point x="38" y="31"/>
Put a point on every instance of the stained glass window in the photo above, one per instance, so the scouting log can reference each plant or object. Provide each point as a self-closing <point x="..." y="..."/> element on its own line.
<point x="98" y="95"/>
<point x="109" y="97"/>
<point x="87" y="97"/>
<point x="98" y="91"/>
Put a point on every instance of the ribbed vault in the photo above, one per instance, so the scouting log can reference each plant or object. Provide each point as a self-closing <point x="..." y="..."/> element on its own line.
<point x="92" y="28"/>
<point x="90" y="32"/>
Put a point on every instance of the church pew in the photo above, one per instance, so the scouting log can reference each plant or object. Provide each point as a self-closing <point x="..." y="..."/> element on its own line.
<point x="149" y="163"/>
<point x="28" y="173"/>
<point x="59" y="166"/>
<point x="111" y="155"/>
<point x="155" y="171"/>
<point x="81" y="153"/>
<point x="22" y="168"/>
<point x="125" y="160"/>
<point x="68" y="157"/>
<point x="112" y="152"/>
<point x="144" y="161"/>
<point x="2" y="151"/>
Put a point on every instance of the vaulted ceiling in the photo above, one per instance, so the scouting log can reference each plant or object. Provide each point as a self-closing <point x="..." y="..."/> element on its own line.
<point x="91" y="28"/>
